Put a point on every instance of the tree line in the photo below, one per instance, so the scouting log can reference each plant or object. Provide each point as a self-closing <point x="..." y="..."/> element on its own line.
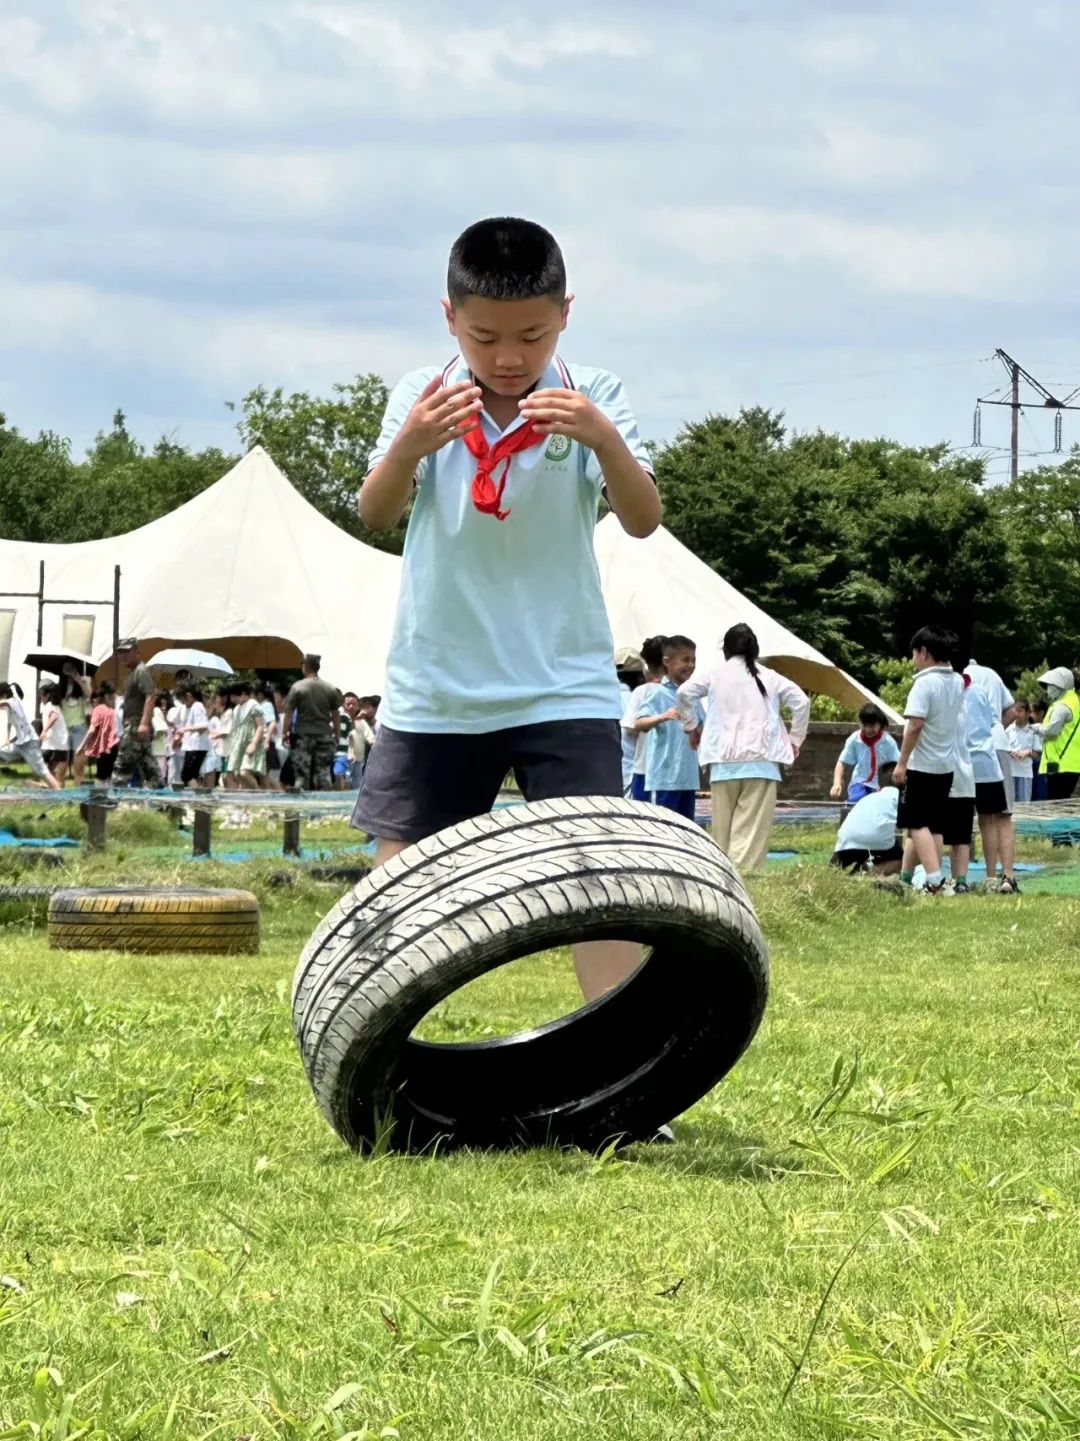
<point x="851" y="543"/>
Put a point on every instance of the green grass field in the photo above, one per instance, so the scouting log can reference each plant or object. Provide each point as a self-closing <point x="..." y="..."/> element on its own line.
<point x="870" y="1229"/>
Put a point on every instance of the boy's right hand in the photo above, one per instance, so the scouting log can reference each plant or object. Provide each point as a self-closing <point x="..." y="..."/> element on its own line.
<point x="439" y="415"/>
<point x="836" y="792"/>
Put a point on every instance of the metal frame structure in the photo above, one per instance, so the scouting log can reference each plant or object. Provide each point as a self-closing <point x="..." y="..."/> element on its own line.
<point x="43" y="600"/>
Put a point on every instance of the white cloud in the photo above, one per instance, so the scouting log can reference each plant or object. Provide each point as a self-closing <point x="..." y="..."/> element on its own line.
<point x="862" y="156"/>
<point x="222" y="349"/>
<point x="908" y="260"/>
<point x="417" y="51"/>
<point x="201" y="197"/>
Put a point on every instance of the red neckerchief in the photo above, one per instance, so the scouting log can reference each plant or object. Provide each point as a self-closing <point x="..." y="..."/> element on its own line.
<point x="871" y="743"/>
<point x="486" y="493"/>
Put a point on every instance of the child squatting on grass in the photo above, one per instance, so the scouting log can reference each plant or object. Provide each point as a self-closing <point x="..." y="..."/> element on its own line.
<point x="502" y="654"/>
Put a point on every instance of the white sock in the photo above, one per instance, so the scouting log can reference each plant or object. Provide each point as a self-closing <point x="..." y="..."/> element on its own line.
<point x="935" y="878"/>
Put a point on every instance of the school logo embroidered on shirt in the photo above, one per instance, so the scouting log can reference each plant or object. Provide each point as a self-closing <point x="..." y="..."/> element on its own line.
<point x="558" y="448"/>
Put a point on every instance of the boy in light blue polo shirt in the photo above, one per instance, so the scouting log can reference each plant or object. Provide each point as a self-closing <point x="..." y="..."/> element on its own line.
<point x="501" y="657"/>
<point x="672" y="773"/>
<point x="868" y="756"/>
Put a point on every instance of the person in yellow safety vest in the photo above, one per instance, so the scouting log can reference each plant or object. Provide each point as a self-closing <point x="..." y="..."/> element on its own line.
<point x="1061" y="734"/>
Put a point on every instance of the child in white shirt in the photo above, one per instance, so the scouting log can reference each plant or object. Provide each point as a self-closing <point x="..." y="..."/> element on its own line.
<point x="1022" y="745"/>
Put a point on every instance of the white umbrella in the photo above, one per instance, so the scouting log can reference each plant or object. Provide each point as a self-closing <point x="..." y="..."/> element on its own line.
<point x="200" y="664"/>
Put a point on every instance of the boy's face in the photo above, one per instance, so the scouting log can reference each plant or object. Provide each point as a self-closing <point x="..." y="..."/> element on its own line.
<point x="873" y="730"/>
<point x="922" y="658"/>
<point x="508" y="344"/>
<point x="679" y="665"/>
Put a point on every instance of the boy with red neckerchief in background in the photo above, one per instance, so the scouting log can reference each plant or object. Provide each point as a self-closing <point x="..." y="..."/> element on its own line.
<point x="868" y="757"/>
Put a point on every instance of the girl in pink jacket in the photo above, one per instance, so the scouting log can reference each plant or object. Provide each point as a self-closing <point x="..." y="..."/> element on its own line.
<point x="744" y="741"/>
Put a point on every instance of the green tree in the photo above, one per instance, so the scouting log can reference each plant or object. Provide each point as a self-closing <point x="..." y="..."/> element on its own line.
<point x="893" y="680"/>
<point x="852" y="544"/>
<point x="1040" y="516"/>
<point x="33" y="474"/>
<point x="323" y="445"/>
<point x="120" y="487"/>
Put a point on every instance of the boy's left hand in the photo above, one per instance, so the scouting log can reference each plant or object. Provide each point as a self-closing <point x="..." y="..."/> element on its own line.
<point x="568" y="412"/>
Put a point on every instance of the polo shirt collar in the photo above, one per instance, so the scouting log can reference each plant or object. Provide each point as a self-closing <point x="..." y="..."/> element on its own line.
<point x="554" y="376"/>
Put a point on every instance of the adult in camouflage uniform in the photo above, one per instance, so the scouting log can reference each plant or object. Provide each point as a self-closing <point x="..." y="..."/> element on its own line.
<point x="314" y="705"/>
<point x="135" y="756"/>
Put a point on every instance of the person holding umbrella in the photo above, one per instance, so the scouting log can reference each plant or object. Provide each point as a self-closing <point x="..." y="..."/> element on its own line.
<point x="75" y="710"/>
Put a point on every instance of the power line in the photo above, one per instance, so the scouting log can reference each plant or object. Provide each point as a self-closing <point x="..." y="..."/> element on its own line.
<point x="878" y="374"/>
<point x="1049" y="401"/>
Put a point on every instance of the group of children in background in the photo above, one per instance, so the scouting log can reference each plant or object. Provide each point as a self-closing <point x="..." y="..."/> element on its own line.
<point x="969" y="749"/>
<point x="236" y="737"/>
<point x="725" y="718"/>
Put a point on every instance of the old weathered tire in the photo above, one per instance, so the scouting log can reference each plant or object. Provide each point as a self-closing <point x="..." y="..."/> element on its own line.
<point x="133" y="919"/>
<point x="478" y="895"/>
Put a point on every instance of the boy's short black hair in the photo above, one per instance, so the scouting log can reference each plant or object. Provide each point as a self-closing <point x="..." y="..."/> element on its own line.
<point x="505" y="259"/>
<point x="873" y="715"/>
<point x="936" y="641"/>
<point x="652" y="650"/>
<point x="672" y="643"/>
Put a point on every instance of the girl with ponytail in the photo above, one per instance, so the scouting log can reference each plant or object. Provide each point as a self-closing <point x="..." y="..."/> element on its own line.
<point x="744" y="741"/>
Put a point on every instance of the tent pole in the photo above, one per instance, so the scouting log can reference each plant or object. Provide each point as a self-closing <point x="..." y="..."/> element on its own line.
<point x="116" y="626"/>
<point x="40" y="633"/>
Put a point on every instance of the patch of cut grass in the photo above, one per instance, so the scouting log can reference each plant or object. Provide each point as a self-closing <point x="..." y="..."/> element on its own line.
<point x="869" y="1229"/>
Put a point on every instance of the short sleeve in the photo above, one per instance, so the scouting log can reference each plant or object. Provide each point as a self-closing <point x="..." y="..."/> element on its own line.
<point x="849" y="756"/>
<point x="890" y="751"/>
<point x="608" y="394"/>
<point x="918" y="701"/>
<point x="1005" y="698"/>
<point x="402" y="399"/>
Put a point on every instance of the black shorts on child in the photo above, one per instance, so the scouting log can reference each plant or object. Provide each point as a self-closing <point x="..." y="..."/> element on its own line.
<point x="959" y="821"/>
<point x="856" y="858"/>
<point x="417" y="784"/>
<point x="990" y="798"/>
<point x="923" y="803"/>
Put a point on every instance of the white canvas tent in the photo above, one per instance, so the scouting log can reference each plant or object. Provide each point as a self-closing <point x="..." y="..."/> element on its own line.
<point x="658" y="586"/>
<point x="247" y="569"/>
<point x="250" y="570"/>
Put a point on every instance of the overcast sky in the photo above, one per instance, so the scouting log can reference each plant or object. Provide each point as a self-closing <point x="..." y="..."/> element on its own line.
<point x="837" y="209"/>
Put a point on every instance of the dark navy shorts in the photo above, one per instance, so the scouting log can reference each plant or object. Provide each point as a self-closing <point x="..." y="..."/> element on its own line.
<point x="683" y="802"/>
<point x="417" y="784"/>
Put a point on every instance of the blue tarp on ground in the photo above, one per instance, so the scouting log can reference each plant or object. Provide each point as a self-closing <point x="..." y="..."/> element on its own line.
<point x="7" y="839"/>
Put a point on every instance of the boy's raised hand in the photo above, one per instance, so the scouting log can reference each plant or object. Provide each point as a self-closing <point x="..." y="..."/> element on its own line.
<point x="568" y="412"/>
<point x="440" y="414"/>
